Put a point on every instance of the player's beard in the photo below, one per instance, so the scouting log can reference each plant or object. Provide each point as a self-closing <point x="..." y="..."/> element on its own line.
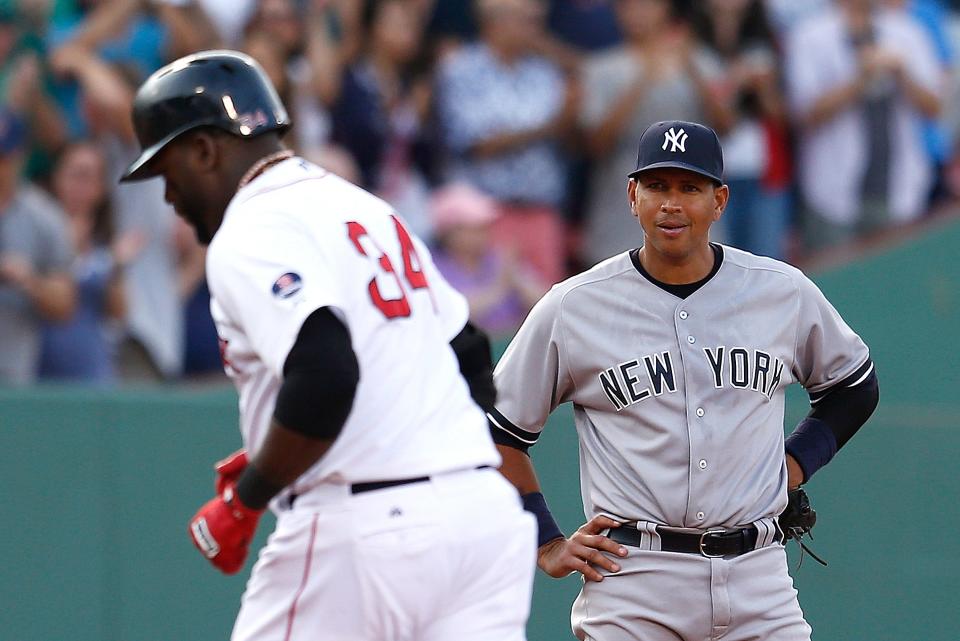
<point x="200" y="229"/>
<point x="195" y="220"/>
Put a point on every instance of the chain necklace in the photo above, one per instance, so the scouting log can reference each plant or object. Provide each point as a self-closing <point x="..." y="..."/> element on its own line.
<point x="261" y="165"/>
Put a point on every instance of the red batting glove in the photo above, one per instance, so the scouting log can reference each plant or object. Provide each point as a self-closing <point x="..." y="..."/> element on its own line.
<point x="229" y="470"/>
<point x="222" y="530"/>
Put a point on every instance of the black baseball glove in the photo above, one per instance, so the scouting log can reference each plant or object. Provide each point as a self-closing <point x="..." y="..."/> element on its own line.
<point x="798" y="519"/>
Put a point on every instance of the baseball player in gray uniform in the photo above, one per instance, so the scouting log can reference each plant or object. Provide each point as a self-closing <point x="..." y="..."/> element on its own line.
<point x="676" y="357"/>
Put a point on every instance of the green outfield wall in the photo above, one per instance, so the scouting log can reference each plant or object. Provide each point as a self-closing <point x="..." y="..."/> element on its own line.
<point x="97" y="488"/>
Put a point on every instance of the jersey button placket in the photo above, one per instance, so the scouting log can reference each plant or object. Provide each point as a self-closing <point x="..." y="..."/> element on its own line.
<point x="694" y="428"/>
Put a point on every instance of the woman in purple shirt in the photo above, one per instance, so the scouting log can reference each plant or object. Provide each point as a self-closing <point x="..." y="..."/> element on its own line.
<point x="499" y="288"/>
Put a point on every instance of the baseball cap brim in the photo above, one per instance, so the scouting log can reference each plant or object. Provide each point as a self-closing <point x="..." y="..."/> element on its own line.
<point x="675" y="165"/>
<point x="139" y="169"/>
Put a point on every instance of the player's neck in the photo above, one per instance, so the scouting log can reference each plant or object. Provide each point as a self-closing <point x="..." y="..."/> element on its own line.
<point x="263" y="164"/>
<point x="679" y="270"/>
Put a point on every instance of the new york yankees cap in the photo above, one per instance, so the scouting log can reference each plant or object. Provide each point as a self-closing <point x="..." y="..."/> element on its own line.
<point x="680" y="144"/>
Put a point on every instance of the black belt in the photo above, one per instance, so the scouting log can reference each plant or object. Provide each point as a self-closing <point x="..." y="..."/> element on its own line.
<point x="370" y="486"/>
<point x="711" y="543"/>
<point x="360" y="488"/>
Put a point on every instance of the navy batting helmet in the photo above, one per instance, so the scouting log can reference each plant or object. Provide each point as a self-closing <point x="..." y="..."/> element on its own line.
<point x="223" y="89"/>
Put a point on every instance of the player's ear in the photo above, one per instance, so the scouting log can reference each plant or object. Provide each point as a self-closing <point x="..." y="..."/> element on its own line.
<point x="204" y="151"/>
<point x="632" y="194"/>
<point x="721" y="194"/>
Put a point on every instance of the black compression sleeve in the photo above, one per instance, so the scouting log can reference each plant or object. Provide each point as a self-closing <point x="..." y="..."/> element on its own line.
<point x="845" y="409"/>
<point x="472" y="348"/>
<point x="320" y="378"/>
<point x="836" y="416"/>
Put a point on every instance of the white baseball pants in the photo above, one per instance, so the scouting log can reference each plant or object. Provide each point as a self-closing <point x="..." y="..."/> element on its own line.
<point x="449" y="558"/>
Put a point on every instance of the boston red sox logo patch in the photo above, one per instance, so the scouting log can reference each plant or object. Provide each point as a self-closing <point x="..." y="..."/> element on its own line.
<point x="287" y="285"/>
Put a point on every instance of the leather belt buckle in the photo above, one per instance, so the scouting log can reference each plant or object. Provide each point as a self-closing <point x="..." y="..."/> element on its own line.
<point x="703" y="544"/>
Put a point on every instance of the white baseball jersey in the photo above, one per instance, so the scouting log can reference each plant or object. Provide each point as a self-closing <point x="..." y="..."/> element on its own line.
<point x="678" y="403"/>
<point x="297" y="239"/>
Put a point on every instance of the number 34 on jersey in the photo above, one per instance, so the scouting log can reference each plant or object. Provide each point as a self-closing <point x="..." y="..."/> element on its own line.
<point x="386" y="289"/>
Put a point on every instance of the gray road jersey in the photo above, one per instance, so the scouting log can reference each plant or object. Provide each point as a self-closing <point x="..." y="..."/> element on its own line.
<point x="678" y="403"/>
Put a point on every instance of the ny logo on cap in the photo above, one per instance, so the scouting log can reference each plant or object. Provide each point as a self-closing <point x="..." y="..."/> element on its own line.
<point x="675" y="138"/>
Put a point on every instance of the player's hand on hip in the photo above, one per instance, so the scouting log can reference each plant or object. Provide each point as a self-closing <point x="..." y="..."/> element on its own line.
<point x="582" y="551"/>
<point x="223" y="528"/>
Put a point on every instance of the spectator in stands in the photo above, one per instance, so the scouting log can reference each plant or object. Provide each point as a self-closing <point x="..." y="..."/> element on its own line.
<point x="201" y="344"/>
<point x="504" y="113"/>
<point x="588" y="25"/>
<point x="499" y="287"/>
<point x="273" y="37"/>
<point x="380" y="106"/>
<point x="226" y="17"/>
<point x="304" y="46"/>
<point x="785" y="15"/>
<point x="82" y="347"/>
<point x="755" y="151"/>
<point x="133" y="35"/>
<point x="658" y="73"/>
<point x="576" y="28"/>
<point x="153" y="345"/>
<point x="24" y="89"/>
<point x="451" y="25"/>
<point x="101" y="53"/>
<point x="861" y="79"/>
<point x="935" y="19"/>
<point x="35" y="282"/>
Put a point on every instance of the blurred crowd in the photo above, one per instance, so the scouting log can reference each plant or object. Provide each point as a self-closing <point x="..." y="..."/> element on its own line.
<point x="501" y="130"/>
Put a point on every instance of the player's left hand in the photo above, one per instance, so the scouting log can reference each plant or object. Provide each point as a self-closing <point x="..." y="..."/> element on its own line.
<point x="223" y="528"/>
<point x="582" y="551"/>
<point x="799" y="517"/>
<point x="229" y="470"/>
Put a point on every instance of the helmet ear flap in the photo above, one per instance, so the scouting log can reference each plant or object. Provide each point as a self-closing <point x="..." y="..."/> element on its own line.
<point x="224" y="89"/>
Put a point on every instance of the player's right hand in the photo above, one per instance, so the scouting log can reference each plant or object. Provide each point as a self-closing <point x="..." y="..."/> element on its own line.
<point x="222" y="530"/>
<point x="582" y="551"/>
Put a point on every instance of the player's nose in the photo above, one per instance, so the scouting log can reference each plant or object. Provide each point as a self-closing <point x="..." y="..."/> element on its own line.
<point x="669" y="206"/>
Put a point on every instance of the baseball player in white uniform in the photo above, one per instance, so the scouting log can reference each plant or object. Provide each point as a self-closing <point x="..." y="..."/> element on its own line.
<point x="676" y="357"/>
<point x="360" y="382"/>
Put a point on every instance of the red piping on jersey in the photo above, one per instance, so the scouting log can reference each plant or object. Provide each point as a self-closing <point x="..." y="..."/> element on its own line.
<point x="303" y="582"/>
